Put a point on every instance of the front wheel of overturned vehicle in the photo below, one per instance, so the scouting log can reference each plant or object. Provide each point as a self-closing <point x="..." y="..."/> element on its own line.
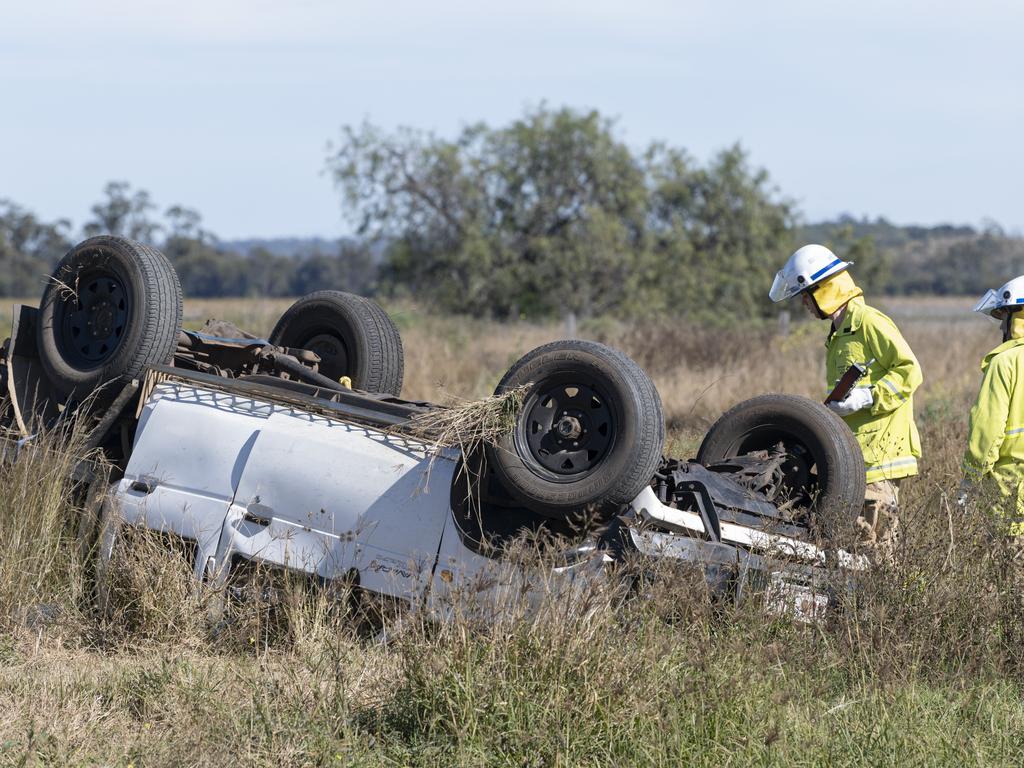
<point x="818" y="473"/>
<point x="589" y="435"/>
<point x="111" y="308"/>
<point x="353" y="336"/>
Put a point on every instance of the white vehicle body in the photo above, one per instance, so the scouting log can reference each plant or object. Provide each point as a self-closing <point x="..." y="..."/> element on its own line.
<point x="239" y="477"/>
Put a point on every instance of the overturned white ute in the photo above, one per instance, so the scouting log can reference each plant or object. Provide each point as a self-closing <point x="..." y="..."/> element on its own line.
<point x="297" y="452"/>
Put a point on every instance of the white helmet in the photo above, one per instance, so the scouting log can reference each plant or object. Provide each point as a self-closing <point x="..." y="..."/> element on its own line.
<point x="808" y="266"/>
<point x="1010" y="295"/>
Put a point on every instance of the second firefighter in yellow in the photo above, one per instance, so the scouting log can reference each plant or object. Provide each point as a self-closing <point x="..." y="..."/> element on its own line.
<point x="880" y="409"/>
<point x="994" y="460"/>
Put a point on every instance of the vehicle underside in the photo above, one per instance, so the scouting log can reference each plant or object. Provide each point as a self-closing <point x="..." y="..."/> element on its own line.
<point x="297" y="451"/>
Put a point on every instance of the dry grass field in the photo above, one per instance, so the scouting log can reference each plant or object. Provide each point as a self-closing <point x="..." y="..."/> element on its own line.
<point x="698" y="371"/>
<point x="923" y="667"/>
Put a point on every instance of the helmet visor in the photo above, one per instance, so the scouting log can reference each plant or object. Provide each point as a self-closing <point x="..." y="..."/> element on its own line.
<point x="783" y="287"/>
<point x="988" y="303"/>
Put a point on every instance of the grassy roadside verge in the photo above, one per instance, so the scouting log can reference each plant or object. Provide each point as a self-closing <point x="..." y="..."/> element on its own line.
<point x="924" y="670"/>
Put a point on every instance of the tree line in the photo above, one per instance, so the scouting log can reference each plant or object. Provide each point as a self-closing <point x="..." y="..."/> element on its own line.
<point x="550" y="214"/>
<point x="29" y="249"/>
<point x="939" y="260"/>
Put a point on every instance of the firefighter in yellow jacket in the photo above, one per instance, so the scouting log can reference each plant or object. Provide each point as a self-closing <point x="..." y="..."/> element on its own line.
<point x="994" y="458"/>
<point x="880" y="409"/>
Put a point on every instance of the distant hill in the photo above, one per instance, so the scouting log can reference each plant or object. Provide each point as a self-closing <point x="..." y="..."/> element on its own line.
<point x="298" y="247"/>
<point x="885" y="234"/>
<point x="283" y="246"/>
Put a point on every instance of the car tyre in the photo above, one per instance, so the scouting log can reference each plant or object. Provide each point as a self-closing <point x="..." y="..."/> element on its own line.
<point x="590" y="433"/>
<point x="353" y="336"/>
<point x="827" y="461"/>
<point x="111" y="308"/>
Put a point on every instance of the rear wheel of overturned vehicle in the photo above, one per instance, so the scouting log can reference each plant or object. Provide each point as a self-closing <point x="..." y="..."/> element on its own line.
<point x="589" y="435"/>
<point x="819" y="476"/>
<point x="111" y="308"/>
<point x="353" y="336"/>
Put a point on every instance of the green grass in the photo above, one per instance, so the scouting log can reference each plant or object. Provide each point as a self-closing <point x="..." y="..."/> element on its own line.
<point x="346" y="705"/>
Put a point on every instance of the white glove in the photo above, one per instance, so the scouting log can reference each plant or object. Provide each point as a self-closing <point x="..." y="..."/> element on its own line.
<point x="858" y="399"/>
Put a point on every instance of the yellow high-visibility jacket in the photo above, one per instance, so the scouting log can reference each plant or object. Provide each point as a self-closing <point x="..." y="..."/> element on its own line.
<point x="995" y="442"/>
<point x="886" y="431"/>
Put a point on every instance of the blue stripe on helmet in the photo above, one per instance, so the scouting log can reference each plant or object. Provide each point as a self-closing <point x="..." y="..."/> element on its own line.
<point x="823" y="270"/>
<point x="1020" y="301"/>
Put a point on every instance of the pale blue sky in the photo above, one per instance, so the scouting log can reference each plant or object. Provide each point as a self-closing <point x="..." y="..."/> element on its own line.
<point x="912" y="110"/>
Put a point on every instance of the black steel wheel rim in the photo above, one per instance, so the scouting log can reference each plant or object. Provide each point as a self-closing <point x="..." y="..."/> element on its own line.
<point x="332" y="351"/>
<point x="93" y="318"/>
<point x="566" y="430"/>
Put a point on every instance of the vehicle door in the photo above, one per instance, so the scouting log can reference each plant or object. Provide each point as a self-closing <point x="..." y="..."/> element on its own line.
<point x="189" y="450"/>
<point x="337" y="500"/>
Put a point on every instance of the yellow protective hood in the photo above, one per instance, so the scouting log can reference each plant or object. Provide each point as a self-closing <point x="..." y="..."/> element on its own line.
<point x="1017" y="326"/>
<point x="835" y="292"/>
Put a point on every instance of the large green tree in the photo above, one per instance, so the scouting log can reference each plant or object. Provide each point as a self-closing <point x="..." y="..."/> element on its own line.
<point x="542" y="216"/>
<point x="554" y="213"/>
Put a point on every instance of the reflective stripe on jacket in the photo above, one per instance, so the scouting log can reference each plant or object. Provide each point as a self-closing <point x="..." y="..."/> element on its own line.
<point x="995" y="441"/>
<point x="886" y="431"/>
